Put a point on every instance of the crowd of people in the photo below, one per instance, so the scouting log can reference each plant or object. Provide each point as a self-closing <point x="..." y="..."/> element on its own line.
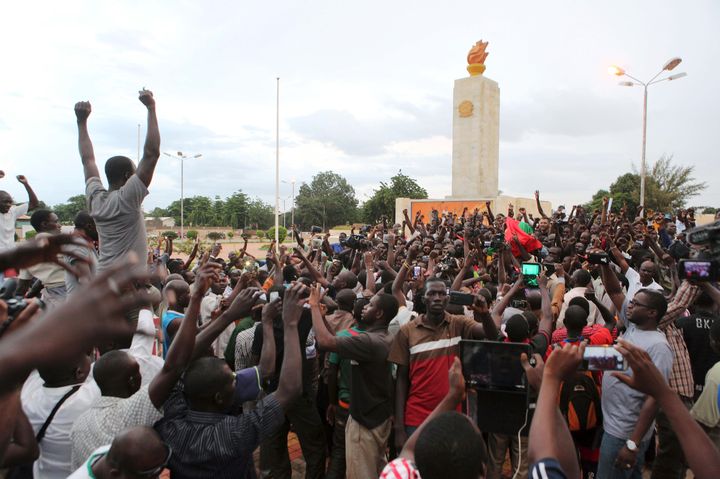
<point x="119" y="360"/>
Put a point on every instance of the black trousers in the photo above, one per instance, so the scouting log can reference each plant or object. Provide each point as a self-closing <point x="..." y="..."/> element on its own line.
<point x="336" y="469"/>
<point x="306" y="423"/>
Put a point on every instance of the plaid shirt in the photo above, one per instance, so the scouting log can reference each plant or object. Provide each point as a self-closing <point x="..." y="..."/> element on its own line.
<point x="681" y="378"/>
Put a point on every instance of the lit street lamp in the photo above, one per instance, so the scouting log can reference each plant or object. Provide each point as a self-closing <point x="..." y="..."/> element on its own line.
<point x="182" y="157"/>
<point x="618" y="71"/>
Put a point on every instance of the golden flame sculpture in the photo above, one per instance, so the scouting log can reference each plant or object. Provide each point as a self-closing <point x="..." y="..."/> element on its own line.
<point x="476" y="58"/>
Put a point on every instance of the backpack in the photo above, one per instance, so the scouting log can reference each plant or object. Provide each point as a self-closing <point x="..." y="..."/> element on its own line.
<point x="579" y="402"/>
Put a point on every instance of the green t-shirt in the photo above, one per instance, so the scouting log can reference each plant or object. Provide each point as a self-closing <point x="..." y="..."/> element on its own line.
<point x="344" y="366"/>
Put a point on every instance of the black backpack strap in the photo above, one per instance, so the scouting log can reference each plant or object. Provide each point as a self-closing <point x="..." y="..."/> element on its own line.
<point x="41" y="433"/>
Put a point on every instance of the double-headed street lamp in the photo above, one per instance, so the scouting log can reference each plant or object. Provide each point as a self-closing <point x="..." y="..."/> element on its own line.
<point x="670" y="65"/>
<point x="182" y="157"/>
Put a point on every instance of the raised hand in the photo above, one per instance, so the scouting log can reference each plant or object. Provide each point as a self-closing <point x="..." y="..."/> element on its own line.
<point x="47" y="250"/>
<point x="2" y="174"/>
<point x="534" y="374"/>
<point x="243" y="303"/>
<point x="316" y="296"/>
<point x="293" y="304"/>
<point x="564" y="361"/>
<point x="271" y="311"/>
<point x="456" y="379"/>
<point x="22" y="179"/>
<point x="146" y="98"/>
<point x="480" y="305"/>
<point x="206" y="276"/>
<point x="542" y="280"/>
<point x="82" y="111"/>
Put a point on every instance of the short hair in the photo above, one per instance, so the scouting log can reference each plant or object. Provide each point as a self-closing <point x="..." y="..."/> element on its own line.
<point x="575" y="318"/>
<point x="582" y="302"/>
<point x="289" y="273"/>
<point x="39" y="217"/>
<point x="389" y="305"/>
<point x="351" y="279"/>
<point x="345" y="299"/>
<point x="358" y="308"/>
<point x="107" y="368"/>
<point x="432" y="281"/>
<point x="449" y="446"/>
<point x="534" y="300"/>
<point x="656" y="301"/>
<point x="581" y="278"/>
<point x="204" y="377"/>
<point x="532" y="320"/>
<point x="517" y="328"/>
<point x="83" y="220"/>
<point x="117" y="167"/>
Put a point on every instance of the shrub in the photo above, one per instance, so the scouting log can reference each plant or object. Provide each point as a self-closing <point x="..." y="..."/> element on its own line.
<point x="30" y="234"/>
<point x="215" y="235"/>
<point x="230" y="234"/>
<point x="282" y="233"/>
<point x="170" y="234"/>
<point x="260" y="234"/>
<point x="191" y="234"/>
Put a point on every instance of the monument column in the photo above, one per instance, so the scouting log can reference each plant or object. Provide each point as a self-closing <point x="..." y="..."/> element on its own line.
<point x="476" y="131"/>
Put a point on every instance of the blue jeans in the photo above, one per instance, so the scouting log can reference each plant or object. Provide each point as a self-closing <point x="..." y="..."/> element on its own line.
<point x="609" y="449"/>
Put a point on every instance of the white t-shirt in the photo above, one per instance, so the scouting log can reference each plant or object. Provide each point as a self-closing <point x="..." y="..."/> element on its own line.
<point x="7" y="225"/>
<point x="55" y="448"/>
<point x="634" y="284"/>
<point x="84" y="471"/>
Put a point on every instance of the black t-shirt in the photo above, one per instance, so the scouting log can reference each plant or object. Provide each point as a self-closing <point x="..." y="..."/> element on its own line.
<point x="696" y="331"/>
<point x="371" y="384"/>
<point x="308" y="350"/>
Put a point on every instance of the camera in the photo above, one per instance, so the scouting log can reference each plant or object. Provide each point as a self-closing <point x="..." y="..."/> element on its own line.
<point x="15" y="304"/>
<point x="355" y="241"/>
<point x="463" y="299"/>
<point x="698" y="270"/>
<point x="315" y="230"/>
<point x="497" y="241"/>
<point x="598" y="258"/>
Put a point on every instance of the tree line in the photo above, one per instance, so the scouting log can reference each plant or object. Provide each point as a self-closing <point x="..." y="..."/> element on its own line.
<point x="329" y="200"/>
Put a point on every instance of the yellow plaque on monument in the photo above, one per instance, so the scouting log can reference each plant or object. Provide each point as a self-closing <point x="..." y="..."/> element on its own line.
<point x="465" y="109"/>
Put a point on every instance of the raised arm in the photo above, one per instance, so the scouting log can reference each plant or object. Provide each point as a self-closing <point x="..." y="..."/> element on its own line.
<point x="547" y="319"/>
<point x="537" y="203"/>
<point x="151" y="151"/>
<point x="317" y="275"/>
<point x="181" y="348"/>
<point x="87" y="155"/>
<point x="267" y="355"/>
<point x="32" y="197"/>
<point x="612" y="286"/>
<point x="193" y="254"/>
<point x="290" y="381"/>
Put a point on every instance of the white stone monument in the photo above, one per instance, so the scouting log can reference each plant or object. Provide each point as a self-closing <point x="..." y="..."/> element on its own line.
<point x="476" y="131"/>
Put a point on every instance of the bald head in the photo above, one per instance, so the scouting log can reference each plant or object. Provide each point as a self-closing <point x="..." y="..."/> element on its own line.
<point x="137" y="449"/>
<point x="345" y="299"/>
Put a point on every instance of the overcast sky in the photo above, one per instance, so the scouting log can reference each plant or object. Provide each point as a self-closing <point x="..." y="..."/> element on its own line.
<point x="366" y="90"/>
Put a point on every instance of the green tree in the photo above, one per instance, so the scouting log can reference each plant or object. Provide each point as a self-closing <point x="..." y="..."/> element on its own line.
<point x="260" y="214"/>
<point x="170" y="234"/>
<point x="191" y="234"/>
<point x="382" y="202"/>
<point x="282" y="233"/>
<point x="596" y="201"/>
<point x="667" y="187"/>
<point x="709" y="210"/>
<point x="66" y="211"/>
<point x="327" y="200"/>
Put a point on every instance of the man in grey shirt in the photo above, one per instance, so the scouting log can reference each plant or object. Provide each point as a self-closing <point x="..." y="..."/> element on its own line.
<point x="117" y="211"/>
<point x="628" y="415"/>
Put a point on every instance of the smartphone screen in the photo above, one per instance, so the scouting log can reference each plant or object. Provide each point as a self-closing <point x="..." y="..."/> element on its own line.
<point x="274" y="295"/>
<point x="531" y="272"/>
<point x="603" y="358"/>
<point x="697" y="269"/>
<point x="416" y="272"/>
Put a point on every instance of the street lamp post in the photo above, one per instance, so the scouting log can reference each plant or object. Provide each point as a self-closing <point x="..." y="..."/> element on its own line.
<point x="616" y="70"/>
<point x="182" y="157"/>
<point x="292" y="205"/>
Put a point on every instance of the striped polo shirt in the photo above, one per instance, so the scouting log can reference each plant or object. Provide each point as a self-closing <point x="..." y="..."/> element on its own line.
<point x="428" y="352"/>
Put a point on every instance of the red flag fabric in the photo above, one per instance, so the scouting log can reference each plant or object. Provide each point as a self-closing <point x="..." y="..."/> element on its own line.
<point x="529" y="242"/>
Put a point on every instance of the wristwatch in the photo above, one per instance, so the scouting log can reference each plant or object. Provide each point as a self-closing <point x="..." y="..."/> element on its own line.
<point x="630" y="444"/>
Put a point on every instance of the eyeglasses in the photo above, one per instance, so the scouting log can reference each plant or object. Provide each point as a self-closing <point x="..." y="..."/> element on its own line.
<point x="155" y="471"/>
<point x="634" y="304"/>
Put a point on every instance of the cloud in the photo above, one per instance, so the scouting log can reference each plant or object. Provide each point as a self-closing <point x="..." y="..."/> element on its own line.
<point x="567" y="113"/>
